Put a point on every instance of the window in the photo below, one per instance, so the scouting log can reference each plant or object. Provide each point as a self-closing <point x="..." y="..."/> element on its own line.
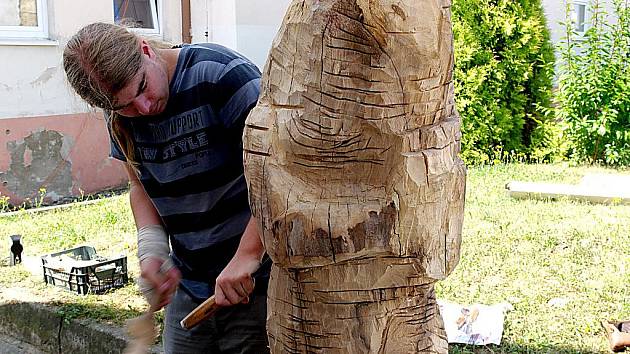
<point x="23" y="19"/>
<point x="141" y="14"/>
<point x="580" y="17"/>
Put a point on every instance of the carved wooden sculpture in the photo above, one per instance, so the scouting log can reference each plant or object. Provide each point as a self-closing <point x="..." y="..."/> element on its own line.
<point x="352" y="162"/>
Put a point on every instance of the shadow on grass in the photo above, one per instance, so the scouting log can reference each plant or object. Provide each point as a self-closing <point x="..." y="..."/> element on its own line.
<point x="508" y="347"/>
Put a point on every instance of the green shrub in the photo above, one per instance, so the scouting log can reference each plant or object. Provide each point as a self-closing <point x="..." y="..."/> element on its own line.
<point x="594" y="97"/>
<point x="503" y="77"/>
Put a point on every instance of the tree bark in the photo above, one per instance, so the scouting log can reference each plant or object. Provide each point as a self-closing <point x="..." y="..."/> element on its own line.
<point x="351" y="159"/>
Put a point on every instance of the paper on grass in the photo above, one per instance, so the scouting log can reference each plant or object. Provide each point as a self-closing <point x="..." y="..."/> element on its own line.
<point x="475" y="324"/>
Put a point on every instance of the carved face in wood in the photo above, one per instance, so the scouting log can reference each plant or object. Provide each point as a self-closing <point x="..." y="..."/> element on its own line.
<point x="352" y="149"/>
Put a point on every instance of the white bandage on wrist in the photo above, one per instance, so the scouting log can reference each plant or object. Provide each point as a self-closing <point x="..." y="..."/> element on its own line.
<point x="153" y="242"/>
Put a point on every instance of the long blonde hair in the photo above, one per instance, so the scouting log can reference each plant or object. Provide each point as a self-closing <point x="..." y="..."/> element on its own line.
<point x="99" y="60"/>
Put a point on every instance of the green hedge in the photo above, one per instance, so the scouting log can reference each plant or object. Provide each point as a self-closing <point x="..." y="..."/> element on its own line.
<point x="503" y="77"/>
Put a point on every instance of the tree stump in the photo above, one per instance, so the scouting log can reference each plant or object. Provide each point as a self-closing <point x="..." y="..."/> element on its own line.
<point x="351" y="159"/>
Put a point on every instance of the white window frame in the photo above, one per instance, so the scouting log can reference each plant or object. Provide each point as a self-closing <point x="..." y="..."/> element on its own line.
<point x="39" y="31"/>
<point x="575" y="19"/>
<point x="156" y="15"/>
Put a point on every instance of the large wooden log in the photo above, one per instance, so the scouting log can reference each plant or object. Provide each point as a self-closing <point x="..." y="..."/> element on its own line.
<point x="351" y="159"/>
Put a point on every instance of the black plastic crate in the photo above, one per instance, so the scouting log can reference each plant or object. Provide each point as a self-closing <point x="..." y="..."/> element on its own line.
<point x="82" y="271"/>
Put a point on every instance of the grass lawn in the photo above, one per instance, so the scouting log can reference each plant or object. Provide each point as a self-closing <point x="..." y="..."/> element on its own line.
<point x="524" y="252"/>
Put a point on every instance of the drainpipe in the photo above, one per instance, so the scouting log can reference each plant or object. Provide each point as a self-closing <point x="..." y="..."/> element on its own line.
<point x="186" y="25"/>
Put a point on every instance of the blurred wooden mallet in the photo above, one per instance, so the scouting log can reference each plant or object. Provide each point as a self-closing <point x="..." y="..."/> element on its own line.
<point x="204" y="311"/>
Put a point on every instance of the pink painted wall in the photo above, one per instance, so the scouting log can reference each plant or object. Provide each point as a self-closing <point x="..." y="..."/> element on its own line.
<point x="66" y="154"/>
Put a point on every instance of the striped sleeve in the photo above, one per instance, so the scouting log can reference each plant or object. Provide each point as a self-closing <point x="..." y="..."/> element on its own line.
<point x="242" y="79"/>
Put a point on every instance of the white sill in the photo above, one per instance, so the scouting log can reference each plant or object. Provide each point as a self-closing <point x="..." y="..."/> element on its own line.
<point x="28" y="42"/>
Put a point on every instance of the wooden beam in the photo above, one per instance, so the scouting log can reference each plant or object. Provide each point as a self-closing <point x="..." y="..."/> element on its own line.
<point x="186" y="23"/>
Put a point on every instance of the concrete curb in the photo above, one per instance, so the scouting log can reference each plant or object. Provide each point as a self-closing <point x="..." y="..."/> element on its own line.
<point x="11" y="345"/>
<point x="46" y="328"/>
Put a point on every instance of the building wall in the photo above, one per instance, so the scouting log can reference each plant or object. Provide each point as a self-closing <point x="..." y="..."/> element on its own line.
<point x="247" y="26"/>
<point x="555" y="12"/>
<point x="255" y="33"/>
<point x="33" y="82"/>
<point x="49" y="138"/>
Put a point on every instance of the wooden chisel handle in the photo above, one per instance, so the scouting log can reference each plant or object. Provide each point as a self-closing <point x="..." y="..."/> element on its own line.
<point x="199" y="314"/>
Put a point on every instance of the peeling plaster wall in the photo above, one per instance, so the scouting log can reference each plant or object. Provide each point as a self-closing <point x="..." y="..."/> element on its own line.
<point x="67" y="155"/>
<point x="38" y="161"/>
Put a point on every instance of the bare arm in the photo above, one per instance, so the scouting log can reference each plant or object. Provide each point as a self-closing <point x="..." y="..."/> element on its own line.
<point x="235" y="282"/>
<point x="251" y="245"/>
<point x="160" y="278"/>
<point x="144" y="212"/>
